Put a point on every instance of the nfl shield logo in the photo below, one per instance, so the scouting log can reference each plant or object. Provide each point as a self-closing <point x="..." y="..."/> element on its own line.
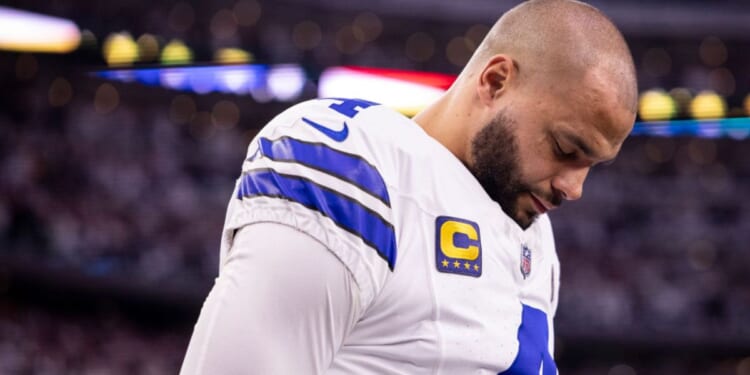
<point x="525" y="261"/>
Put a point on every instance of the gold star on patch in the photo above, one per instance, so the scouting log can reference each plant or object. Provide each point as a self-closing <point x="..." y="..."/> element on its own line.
<point x="467" y="265"/>
<point x="476" y="267"/>
<point x="456" y="264"/>
<point x="445" y="263"/>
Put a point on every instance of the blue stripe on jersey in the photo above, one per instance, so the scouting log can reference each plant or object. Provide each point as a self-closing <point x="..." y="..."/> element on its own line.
<point x="346" y="212"/>
<point x="348" y="167"/>
<point x="533" y="348"/>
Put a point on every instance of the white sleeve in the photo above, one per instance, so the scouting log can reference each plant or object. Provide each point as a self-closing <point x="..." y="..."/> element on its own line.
<point x="282" y="304"/>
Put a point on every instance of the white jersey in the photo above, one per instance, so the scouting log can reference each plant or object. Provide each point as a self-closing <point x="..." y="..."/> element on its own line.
<point x="448" y="283"/>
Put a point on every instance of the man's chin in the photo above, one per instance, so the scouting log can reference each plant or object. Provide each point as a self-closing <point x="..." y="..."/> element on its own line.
<point x="525" y="219"/>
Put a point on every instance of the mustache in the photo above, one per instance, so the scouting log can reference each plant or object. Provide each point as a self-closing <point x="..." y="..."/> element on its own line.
<point x="557" y="200"/>
<point x="554" y="198"/>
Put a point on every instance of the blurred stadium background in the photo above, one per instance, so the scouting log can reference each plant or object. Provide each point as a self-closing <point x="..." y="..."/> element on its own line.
<point x="123" y="125"/>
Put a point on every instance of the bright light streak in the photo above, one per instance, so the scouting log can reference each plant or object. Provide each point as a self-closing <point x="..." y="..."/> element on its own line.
<point x="737" y="128"/>
<point x="407" y="92"/>
<point x="31" y="32"/>
<point x="237" y="79"/>
<point x="240" y="79"/>
<point x="174" y="79"/>
<point x="285" y="82"/>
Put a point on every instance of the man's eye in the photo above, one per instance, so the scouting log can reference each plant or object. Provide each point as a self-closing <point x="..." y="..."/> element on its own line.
<point x="561" y="153"/>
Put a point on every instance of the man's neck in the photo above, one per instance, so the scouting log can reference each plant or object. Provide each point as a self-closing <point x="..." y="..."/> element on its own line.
<point x="441" y="121"/>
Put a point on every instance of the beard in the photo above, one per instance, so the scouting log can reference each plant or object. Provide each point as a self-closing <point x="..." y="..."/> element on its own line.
<point x="496" y="165"/>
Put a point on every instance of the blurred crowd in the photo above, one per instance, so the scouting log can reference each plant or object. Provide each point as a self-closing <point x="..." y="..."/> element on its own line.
<point x="126" y="193"/>
<point x="39" y="342"/>
<point x="658" y="245"/>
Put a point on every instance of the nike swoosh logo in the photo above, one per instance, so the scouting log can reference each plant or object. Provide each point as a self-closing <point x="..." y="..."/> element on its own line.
<point x="336" y="135"/>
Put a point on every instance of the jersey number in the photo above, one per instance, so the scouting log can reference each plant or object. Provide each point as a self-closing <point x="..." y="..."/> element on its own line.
<point x="348" y="108"/>
<point x="533" y="354"/>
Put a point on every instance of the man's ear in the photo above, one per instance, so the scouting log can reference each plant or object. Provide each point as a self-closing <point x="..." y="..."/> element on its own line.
<point x="494" y="78"/>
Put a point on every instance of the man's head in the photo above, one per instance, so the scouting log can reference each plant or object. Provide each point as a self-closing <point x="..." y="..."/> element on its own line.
<point x="549" y="93"/>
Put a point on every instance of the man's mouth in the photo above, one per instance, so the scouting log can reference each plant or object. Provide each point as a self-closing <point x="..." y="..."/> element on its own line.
<point x="540" y="206"/>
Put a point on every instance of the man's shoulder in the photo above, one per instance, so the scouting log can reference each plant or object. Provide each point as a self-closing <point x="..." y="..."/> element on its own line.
<point x="314" y="168"/>
<point x="339" y="119"/>
<point x="341" y="130"/>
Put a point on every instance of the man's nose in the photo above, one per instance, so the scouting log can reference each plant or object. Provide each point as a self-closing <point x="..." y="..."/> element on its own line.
<point x="570" y="183"/>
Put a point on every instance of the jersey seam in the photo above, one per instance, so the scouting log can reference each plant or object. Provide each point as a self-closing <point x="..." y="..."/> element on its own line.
<point x="368" y="285"/>
<point x="436" y="305"/>
<point x="348" y="270"/>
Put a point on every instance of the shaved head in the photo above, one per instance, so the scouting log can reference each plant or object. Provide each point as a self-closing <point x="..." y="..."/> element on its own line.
<point x="560" y="39"/>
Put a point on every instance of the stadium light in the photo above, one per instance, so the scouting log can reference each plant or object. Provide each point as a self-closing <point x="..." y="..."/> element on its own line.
<point x="232" y="56"/>
<point x="286" y="82"/>
<point x="405" y="91"/>
<point x="31" y="32"/>
<point x="120" y="49"/>
<point x="655" y="105"/>
<point x="708" y="105"/>
<point x="175" y="53"/>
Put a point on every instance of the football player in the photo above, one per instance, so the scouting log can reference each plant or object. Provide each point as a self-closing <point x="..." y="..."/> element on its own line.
<point x="359" y="241"/>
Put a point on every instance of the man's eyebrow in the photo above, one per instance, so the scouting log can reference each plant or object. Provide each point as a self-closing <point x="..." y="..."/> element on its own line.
<point x="585" y="148"/>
